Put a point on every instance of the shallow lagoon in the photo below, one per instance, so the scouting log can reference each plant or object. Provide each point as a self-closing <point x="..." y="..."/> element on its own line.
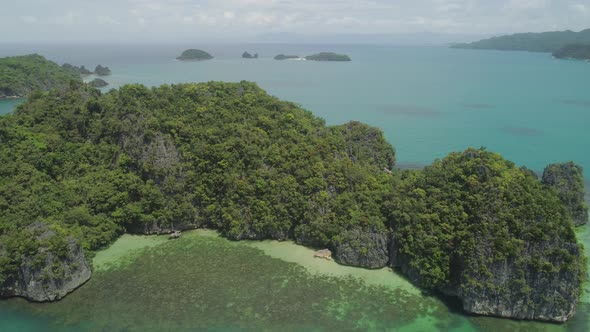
<point x="205" y="282"/>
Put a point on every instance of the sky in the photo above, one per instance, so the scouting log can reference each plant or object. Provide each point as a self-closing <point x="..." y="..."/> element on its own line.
<point x="252" y="20"/>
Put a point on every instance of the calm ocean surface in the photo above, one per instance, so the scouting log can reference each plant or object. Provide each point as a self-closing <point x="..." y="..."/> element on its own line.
<point x="429" y="101"/>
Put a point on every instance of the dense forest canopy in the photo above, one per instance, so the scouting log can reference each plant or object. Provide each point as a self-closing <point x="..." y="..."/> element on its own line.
<point x="227" y="156"/>
<point x="533" y="42"/>
<point x="21" y="75"/>
<point x="574" y="51"/>
<point x="91" y="166"/>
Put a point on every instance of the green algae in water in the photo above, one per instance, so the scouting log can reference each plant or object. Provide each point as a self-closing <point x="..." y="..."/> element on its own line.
<point x="124" y="251"/>
<point x="291" y="252"/>
<point x="203" y="282"/>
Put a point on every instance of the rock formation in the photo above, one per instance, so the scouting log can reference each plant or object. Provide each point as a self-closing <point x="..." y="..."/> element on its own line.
<point x="47" y="275"/>
<point x="362" y="249"/>
<point x="567" y="180"/>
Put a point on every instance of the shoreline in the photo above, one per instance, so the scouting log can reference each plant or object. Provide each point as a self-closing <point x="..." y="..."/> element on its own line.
<point x="11" y="97"/>
<point x="128" y="246"/>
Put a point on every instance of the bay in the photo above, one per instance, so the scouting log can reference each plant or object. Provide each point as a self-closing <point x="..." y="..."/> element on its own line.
<point x="429" y="101"/>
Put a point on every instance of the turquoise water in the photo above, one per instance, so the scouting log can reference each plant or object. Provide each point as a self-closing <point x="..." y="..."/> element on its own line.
<point x="8" y="105"/>
<point x="429" y="101"/>
<point x="203" y="282"/>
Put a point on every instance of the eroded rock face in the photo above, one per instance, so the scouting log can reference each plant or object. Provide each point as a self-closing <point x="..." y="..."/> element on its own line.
<point x="512" y="290"/>
<point x="568" y="181"/>
<point x="526" y="293"/>
<point x="45" y="276"/>
<point x="360" y="248"/>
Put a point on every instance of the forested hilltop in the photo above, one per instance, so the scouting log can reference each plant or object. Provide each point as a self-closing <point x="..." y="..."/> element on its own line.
<point x="81" y="167"/>
<point x="20" y="75"/>
<point x="532" y="42"/>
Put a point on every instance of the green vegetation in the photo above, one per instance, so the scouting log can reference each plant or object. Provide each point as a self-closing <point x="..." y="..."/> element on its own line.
<point x="21" y="75"/>
<point x="227" y="156"/>
<point x="102" y="71"/>
<point x="286" y="57"/>
<point x="98" y="83"/>
<point x="231" y="157"/>
<point x="568" y="182"/>
<point x="573" y="51"/>
<point x="533" y="42"/>
<point x="247" y="55"/>
<point x="464" y="216"/>
<point x="79" y="70"/>
<point x="328" y="56"/>
<point x="193" y="54"/>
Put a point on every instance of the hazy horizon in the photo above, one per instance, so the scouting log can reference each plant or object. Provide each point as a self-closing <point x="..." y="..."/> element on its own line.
<point x="252" y="21"/>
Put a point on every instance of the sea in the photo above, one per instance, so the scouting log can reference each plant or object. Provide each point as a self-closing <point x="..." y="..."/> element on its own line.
<point x="429" y="101"/>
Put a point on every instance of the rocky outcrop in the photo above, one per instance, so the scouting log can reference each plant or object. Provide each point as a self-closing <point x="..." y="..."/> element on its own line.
<point x="567" y="180"/>
<point x="46" y="275"/>
<point x="515" y="287"/>
<point x="525" y="290"/>
<point x="98" y="83"/>
<point x="155" y="228"/>
<point x="361" y="248"/>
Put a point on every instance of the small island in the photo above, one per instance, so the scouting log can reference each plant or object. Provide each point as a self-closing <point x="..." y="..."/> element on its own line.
<point x="573" y="51"/>
<point x="82" y="70"/>
<point x="98" y="83"/>
<point x="328" y="56"/>
<point x="247" y="55"/>
<point x="102" y="71"/>
<point x="194" y="55"/>
<point x="323" y="56"/>
<point x="287" y="57"/>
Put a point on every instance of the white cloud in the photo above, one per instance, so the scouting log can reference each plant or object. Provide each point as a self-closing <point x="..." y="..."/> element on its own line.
<point x="161" y="19"/>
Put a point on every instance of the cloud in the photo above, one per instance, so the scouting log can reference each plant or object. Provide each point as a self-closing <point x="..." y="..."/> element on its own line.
<point x="241" y="18"/>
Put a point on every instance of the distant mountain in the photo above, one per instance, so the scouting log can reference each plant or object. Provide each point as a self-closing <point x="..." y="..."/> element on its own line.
<point x="415" y="39"/>
<point x="532" y="42"/>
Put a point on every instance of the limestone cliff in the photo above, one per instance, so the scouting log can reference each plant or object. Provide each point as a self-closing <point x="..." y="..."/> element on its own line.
<point x="367" y="249"/>
<point x="48" y="274"/>
<point x="567" y="180"/>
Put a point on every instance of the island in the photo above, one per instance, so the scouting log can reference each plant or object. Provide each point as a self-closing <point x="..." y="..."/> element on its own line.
<point x="323" y="56"/>
<point x="247" y="55"/>
<point x="82" y="70"/>
<point x="472" y="226"/>
<point x="533" y="42"/>
<point x="194" y="55"/>
<point x="573" y="51"/>
<point x="328" y="56"/>
<point x="21" y="75"/>
<point x="98" y="83"/>
<point x="102" y="71"/>
<point x="288" y="57"/>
